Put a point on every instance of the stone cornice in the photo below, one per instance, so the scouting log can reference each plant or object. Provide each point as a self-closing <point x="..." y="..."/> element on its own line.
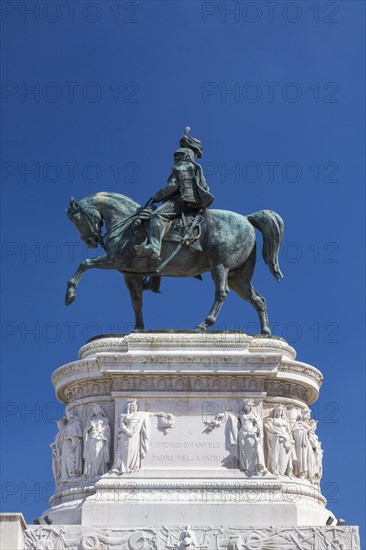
<point x="184" y="361"/>
<point x="165" y="341"/>
<point x="181" y="372"/>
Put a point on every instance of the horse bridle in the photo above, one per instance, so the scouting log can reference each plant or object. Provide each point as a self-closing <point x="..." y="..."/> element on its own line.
<point x="92" y="226"/>
<point x="94" y="229"/>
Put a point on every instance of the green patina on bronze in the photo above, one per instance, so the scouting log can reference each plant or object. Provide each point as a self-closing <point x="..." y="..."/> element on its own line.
<point x="143" y="241"/>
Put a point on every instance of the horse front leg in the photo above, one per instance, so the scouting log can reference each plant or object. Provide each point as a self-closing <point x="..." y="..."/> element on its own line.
<point x="219" y="276"/>
<point x="103" y="262"/>
<point x="135" y="285"/>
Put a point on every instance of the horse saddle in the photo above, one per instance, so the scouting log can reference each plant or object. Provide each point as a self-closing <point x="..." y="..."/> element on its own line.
<point x="176" y="229"/>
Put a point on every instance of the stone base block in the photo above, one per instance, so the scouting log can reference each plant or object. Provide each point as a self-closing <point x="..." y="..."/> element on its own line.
<point x="12" y="528"/>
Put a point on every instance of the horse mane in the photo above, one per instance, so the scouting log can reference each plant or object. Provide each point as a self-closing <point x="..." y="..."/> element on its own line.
<point x="114" y="196"/>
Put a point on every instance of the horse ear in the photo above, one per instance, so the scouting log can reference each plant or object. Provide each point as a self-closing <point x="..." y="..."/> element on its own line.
<point x="73" y="203"/>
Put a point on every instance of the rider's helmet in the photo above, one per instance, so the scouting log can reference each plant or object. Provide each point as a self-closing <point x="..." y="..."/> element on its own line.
<point x="191" y="142"/>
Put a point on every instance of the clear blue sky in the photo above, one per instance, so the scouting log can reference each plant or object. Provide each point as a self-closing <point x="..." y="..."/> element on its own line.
<point x="112" y="93"/>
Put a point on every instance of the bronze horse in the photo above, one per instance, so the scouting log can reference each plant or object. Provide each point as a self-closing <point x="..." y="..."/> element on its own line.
<point x="226" y="247"/>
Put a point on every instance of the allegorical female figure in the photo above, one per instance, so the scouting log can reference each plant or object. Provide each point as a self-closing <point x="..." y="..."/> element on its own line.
<point x="56" y="451"/>
<point x="70" y="441"/>
<point x="280" y="443"/>
<point x="97" y="440"/>
<point x="133" y="437"/>
<point x="305" y="461"/>
<point x="317" y="463"/>
<point x="250" y="441"/>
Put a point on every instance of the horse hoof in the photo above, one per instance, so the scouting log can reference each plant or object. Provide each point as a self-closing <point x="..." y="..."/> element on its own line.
<point x="201" y="328"/>
<point x="266" y="331"/>
<point x="70" y="297"/>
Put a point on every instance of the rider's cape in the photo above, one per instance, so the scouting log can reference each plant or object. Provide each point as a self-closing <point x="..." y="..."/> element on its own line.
<point x="202" y="190"/>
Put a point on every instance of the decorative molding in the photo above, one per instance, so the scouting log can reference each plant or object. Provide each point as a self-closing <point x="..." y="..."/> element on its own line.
<point x="75" y="368"/>
<point x="302" y="368"/>
<point x="202" y="537"/>
<point x="211" y="340"/>
<point x="187" y="383"/>
<point x="263" y="345"/>
<point x="241" y="382"/>
<point x="190" y="357"/>
<point x="118" y="344"/>
<point x="94" y="388"/>
<point x="133" y="489"/>
<point x="291" y="390"/>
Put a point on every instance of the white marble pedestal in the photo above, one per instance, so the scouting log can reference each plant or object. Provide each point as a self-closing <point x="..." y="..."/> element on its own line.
<point x="189" y="474"/>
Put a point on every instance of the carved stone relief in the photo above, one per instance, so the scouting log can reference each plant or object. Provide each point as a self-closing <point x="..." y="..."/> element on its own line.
<point x="97" y="442"/>
<point x="198" y="538"/>
<point x="295" y="452"/>
<point x="80" y="453"/>
<point x="280" y="443"/>
<point x="133" y="437"/>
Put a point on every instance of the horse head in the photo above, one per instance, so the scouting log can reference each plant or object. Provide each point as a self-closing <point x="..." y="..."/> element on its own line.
<point x="87" y="221"/>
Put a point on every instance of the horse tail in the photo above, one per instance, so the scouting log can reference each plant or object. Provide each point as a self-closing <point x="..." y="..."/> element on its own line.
<point x="271" y="225"/>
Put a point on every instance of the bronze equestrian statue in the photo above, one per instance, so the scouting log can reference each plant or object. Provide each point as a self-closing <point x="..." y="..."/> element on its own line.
<point x="180" y="238"/>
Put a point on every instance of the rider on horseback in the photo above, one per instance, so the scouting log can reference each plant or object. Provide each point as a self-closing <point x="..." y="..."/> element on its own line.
<point x="186" y="190"/>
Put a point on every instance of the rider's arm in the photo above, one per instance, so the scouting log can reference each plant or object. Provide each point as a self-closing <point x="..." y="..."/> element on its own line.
<point x="169" y="189"/>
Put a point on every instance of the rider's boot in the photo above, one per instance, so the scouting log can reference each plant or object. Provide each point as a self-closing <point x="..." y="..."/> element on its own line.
<point x="147" y="251"/>
<point x="156" y="231"/>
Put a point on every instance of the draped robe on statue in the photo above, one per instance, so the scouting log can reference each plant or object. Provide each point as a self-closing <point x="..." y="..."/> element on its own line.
<point x="316" y="468"/>
<point x="246" y="444"/>
<point x="71" y="449"/>
<point x="132" y="442"/>
<point x="56" y="455"/>
<point x="250" y="445"/>
<point x="305" y="464"/>
<point x="97" y="436"/>
<point x="280" y="446"/>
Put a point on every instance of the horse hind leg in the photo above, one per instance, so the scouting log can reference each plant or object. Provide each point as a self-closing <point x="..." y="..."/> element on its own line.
<point x="219" y="275"/>
<point x="239" y="281"/>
